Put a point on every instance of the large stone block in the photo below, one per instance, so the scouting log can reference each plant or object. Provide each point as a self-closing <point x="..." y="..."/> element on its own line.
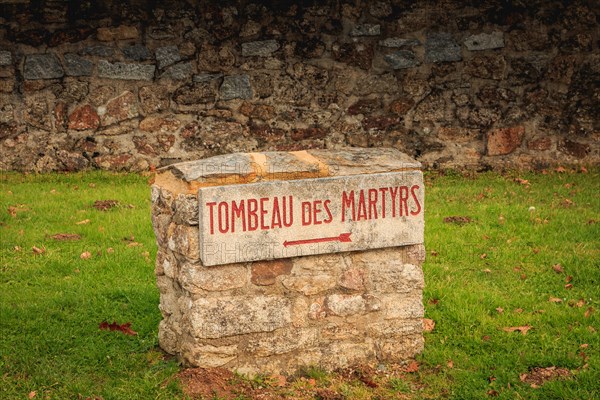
<point x="230" y="316"/>
<point x="441" y="47"/>
<point x="261" y="49"/>
<point x="236" y="87"/>
<point x="504" y="140"/>
<point x="127" y="71"/>
<point x="42" y="66"/>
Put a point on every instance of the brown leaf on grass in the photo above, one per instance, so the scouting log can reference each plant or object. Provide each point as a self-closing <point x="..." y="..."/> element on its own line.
<point x="500" y="310"/>
<point x="558" y="268"/>
<point x="569" y="286"/>
<point x="428" y="325"/>
<point x="588" y="312"/>
<point x="583" y="170"/>
<point x="568" y="279"/>
<point x="538" y="376"/>
<point x="413" y="366"/>
<point x="493" y="393"/>
<point x="85" y="221"/>
<point x="32" y="394"/>
<point x="518" y="310"/>
<point x="523" y="182"/>
<point x="86" y="255"/>
<point x="105" y="205"/>
<point x="486" y="338"/>
<point x="13" y="210"/>
<point x="567" y="203"/>
<point x="560" y="169"/>
<point x="434" y="253"/>
<point x="450" y="364"/>
<point x="458" y="220"/>
<point x="65" y="236"/>
<point x="483" y="256"/>
<point x="18" y="248"/>
<point x="110" y="250"/>
<point x="37" y="250"/>
<point x="555" y="300"/>
<point x="123" y="328"/>
<point x="523" y="329"/>
<point x="434" y="301"/>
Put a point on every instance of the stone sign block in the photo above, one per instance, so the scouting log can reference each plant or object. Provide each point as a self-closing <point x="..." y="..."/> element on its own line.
<point x="269" y="262"/>
<point x="283" y="219"/>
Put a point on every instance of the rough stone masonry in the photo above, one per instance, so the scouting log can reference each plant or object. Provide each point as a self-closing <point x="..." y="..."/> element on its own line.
<point x="133" y="85"/>
<point x="268" y="262"/>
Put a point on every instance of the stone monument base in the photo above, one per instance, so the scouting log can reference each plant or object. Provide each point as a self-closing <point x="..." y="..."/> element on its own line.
<point x="328" y="310"/>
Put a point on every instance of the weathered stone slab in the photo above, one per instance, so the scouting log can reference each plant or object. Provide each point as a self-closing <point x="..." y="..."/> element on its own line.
<point x="125" y="71"/>
<point x="5" y="58"/>
<point x="398" y="42"/>
<point x="137" y="52"/>
<point x="402" y="59"/>
<point x="166" y="56"/>
<point x="260" y="48"/>
<point x="366" y="30"/>
<point x="42" y="66"/>
<point x="283" y="219"/>
<point x="441" y="47"/>
<point x="236" y="87"/>
<point x="77" y="66"/>
<point x="228" y="316"/>
<point x="485" y="41"/>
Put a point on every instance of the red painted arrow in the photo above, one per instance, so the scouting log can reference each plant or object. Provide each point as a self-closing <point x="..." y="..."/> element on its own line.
<point x="344" y="237"/>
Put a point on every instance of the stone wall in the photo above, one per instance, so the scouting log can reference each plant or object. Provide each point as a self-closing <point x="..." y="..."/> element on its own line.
<point x="331" y="310"/>
<point x="132" y="85"/>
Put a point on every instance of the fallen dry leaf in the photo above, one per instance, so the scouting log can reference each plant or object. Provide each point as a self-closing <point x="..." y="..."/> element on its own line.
<point x="434" y="301"/>
<point x="458" y="220"/>
<point x="518" y="310"/>
<point x="569" y="286"/>
<point x="413" y="366"/>
<point x="18" y="248"/>
<point x="450" y="364"/>
<point x="558" y="268"/>
<point x="487" y="271"/>
<point x="428" y="325"/>
<point x="124" y="328"/>
<point x="523" y="329"/>
<point x="486" y="338"/>
<point x="500" y="310"/>
<point x="37" y="250"/>
<point x="521" y="181"/>
<point x="483" y="256"/>
<point x="583" y="170"/>
<point x="434" y="253"/>
<point x="32" y="394"/>
<point x="555" y="300"/>
<point x="584" y="346"/>
<point x="560" y="169"/>
<point x="86" y="255"/>
<point x="110" y="250"/>
<point x="85" y="221"/>
<point x="568" y="279"/>
<point x="492" y="393"/>
<point x="65" y="236"/>
<point x="588" y="312"/>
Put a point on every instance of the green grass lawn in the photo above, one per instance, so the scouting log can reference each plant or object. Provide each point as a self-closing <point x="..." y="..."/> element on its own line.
<point x="522" y="245"/>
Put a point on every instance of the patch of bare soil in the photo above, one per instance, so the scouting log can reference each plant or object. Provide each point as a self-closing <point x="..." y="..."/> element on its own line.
<point x="105" y="205"/>
<point x="538" y="376"/>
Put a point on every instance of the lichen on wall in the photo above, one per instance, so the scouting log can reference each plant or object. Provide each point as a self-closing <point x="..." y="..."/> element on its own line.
<point x="141" y="84"/>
